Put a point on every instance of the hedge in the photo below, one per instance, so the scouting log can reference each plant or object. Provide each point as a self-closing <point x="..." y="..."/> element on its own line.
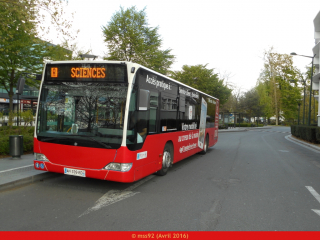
<point x="318" y="134"/>
<point x="308" y="133"/>
<point x="6" y="131"/>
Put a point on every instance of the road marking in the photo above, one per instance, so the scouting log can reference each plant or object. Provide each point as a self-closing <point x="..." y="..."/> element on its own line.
<point x="303" y="144"/>
<point x="210" y="219"/>
<point x="316" y="164"/>
<point x="316" y="195"/>
<point x="13" y="169"/>
<point x="283" y="151"/>
<point x="114" y="196"/>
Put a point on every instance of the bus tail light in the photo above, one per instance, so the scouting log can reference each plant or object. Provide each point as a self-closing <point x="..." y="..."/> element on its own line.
<point x="41" y="157"/>
<point x="122" y="167"/>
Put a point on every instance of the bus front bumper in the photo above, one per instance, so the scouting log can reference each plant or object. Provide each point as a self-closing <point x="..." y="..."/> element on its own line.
<point x="102" y="174"/>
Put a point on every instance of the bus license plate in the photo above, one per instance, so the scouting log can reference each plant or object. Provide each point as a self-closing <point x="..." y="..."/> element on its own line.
<point x="75" y="172"/>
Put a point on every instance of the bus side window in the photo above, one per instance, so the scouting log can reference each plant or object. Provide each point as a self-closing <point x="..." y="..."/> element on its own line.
<point x="154" y="100"/>
<point x="168" y="113"/>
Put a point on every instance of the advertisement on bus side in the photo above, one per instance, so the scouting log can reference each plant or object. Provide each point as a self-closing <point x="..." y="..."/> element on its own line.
<point x="202" y="127"/>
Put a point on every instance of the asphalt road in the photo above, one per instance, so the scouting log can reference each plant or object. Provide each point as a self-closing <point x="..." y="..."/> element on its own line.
<point x="253" y="180"/>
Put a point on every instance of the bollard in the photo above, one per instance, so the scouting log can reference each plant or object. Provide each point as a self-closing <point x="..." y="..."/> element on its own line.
<point x="16" y="146"/>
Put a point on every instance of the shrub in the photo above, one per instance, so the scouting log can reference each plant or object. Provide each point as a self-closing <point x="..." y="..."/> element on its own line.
<point x="4" y="145"/>
<point x="6" y="131"/>
<point x="27" y="117"/>
<point x="308" y="133"/>
<point x="12" y="115"/>
<point x="27" y="143"/>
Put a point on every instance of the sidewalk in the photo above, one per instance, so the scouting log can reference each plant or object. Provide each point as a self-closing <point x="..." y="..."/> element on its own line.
<point x="17" y="172"/>
<point x="241" y="129"/>
<point x="236" y="129"/>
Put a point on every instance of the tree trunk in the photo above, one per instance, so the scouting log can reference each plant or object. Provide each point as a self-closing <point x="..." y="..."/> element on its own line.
<point x="10" y="93"/>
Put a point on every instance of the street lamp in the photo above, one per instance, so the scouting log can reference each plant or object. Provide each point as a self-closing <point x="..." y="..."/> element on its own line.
<point x="294" y="54"/>
<point x="299" y="104"/>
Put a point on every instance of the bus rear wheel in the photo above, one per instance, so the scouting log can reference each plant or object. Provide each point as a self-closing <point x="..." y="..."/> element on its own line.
<point x="206" y="144"/>
<point x="167" y="158"/>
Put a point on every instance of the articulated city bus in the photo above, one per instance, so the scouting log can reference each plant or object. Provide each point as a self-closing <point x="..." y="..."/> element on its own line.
<point x="118" y="121"/>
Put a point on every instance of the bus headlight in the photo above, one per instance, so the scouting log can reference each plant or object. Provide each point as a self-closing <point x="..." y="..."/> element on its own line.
<point x="41" y="157"/>
<point x="122" y="167"/>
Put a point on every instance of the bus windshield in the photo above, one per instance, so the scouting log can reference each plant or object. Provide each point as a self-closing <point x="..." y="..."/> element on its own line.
<point x="89" y="114"/>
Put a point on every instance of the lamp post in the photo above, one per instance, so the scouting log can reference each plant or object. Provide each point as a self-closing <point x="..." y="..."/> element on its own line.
<point x="314" y="106"/>
<point x="309" y="114"/>
<point x="304" y="95"/>
<point x="299" y="104"/>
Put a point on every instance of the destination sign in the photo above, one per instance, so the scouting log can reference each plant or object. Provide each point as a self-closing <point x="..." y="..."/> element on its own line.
<point x="86" y="72"/>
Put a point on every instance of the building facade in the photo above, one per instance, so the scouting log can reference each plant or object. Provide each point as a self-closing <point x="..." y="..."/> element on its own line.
<point x="28" y="100"/>
<point x="316" y="53"/>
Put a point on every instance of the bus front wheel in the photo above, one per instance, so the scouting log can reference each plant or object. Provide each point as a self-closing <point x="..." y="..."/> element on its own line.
<point x="167" y="158"/>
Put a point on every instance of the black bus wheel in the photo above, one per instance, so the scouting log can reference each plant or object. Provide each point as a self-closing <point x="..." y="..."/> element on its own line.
<point x="206" y="143"/>
<point x="167" y="158"/>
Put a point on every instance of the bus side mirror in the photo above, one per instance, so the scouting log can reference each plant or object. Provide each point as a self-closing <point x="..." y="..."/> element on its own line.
<point x="38" y="76"/>
<point x="144" y="100"/>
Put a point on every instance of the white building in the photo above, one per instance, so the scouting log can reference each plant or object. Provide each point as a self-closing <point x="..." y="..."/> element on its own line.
<point x="316" y="52"/>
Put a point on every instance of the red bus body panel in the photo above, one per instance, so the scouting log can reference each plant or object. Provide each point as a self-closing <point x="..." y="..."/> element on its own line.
<point x="93" y="160"/>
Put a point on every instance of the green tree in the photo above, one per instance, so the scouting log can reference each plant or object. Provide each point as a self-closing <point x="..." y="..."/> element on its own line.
<point x="20" y="48"/>
<point x="129" y="38"/>
<point x="265" y="100"/>
<point x="233" y="102"/>
<point x="303" y="80"/>
<point x="16" y="53"/>
<point x="275" y="79"/>
<point x="203" y="79"/>
<point x="65" y="51"/>
<point x="250" y="104"/>
<point x="27" y="117"/>
<point x="45" y="15"/>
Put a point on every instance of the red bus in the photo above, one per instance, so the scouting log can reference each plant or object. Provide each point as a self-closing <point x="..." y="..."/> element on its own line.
<point x="118" y="121"/>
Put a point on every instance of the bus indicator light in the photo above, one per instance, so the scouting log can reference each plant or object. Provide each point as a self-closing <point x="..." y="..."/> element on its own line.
<point x="54" y="72"/>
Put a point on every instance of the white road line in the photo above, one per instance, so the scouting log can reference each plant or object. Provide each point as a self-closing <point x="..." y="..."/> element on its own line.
<point x="316" y="195"/>
<point x="316" y="211"/>
<point x="306" y="145"/>
<point x="13" y="169"/>
<point x="285" y="151"/>
<point x="114" y="196"/>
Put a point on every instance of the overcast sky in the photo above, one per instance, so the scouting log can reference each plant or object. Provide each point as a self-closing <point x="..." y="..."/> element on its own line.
<point x="228" y="35"/>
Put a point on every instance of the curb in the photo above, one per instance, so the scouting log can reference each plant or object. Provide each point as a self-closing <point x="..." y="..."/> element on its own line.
<point x="242" y="129"/>
<point x="303" y="144"/>
<point x="16" y="170"/>
<point x="224" y="131"/>
<point x="28" y="180"/>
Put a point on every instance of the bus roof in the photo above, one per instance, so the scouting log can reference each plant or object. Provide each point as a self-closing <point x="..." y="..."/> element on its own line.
<point x="130" y="63"/>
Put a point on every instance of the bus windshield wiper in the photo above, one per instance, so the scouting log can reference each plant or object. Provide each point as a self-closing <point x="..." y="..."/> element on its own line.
<point x="47" y="139"/>
<point x="91" y="138"/>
